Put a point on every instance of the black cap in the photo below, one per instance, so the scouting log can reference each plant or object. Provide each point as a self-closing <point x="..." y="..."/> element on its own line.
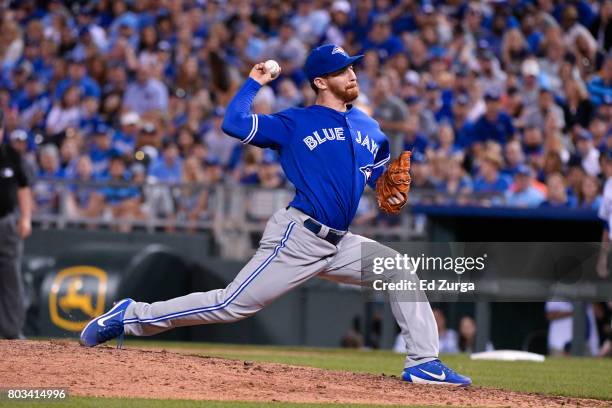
<point x="492" y="95"/>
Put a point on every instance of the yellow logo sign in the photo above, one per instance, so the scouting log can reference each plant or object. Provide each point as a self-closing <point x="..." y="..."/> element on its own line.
<point x="77" y="295"/>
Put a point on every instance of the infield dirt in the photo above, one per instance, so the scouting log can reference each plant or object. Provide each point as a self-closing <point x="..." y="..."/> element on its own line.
<point x="108" y="372"/>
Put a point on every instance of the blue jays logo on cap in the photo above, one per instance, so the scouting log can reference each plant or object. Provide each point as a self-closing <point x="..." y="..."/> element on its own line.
<point x="326" y="59"/>
<point x="340" y="50"/>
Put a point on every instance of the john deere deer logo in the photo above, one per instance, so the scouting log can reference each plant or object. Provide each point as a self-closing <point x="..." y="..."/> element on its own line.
<point x="77" y="295"/>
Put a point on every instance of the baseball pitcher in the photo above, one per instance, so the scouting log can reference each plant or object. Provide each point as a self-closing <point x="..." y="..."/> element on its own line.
<point x="329" y="151"/>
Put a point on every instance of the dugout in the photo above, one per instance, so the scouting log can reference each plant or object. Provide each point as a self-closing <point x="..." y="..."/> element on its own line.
<point x="521" y="324"/>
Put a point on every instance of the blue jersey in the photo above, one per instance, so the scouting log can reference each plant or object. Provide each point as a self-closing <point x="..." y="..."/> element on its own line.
<point x="328" y="155"/>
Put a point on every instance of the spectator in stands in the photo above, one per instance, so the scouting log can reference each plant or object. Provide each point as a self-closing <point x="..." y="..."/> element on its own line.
<point x="492" y="79"/>
<point x="421" y="173"/>
<point x="189" y="78"/>
<point x="382" y="39"/>
<point x="169" y="167"/>
<point x="220" y="146"/>
<point x="33" y="103"/>
<point x="560" y="330"/>
<point x="288" y="95"/>
<point x="445" y="146"/>
<point x="391" y="113"/>
<point x="286" y="43"/>
<point x="247" y="170"/>
<point x="340" y="23"/>
<point x="530" y="86"/>
<point x="489" y="179"/>
<point x="123" y="201"/>
<point x="586" y="153"/>
<point x="462" y="127"/>
<point x="546" y="106"/>
<point x="514" y="158"/>
<point x="599" y="128"/>
<point x="149" y="136"/>
<point x="427" y="122"/>
<point x="552" y="164"/>
<point x="601" y="27"/>
<point x="495" y="124"/>
<point x="79" y="202"/>
<point x="101" y="150"/>
<point x="146" y="94"/>
<point x="556" y="193"/>
<point x="578" y="109"/>
<point x="213" y="171"/>
<point x="413" y="139"/>
<point x="192" y="203"/>
<point x="77" y="78"/>
<point x="185" y="141"/>
<point x="69" y="154"/>
<point x="124" y="140"/>
<point x="522" y="192"/>
<point x="270" y="174"/>
<point x="90" y="115"/>
<point x="437" y="60"/>
<point x="11" y="38"/>
<point x="514" y="50"/>
<point x="434" y="103"/>
<point x="575" y="175"/>
<point x="46" y="194"/>
<point x="66" y="113"/>
<point x="553" y="60"/>
<point x="590" y="194"/>
<point x="467" y="336"/>
<point x="601" y="85"/>
<point x="533" y="142"/>
<point x="456" y="182"/>
<point x="515" y="108"/>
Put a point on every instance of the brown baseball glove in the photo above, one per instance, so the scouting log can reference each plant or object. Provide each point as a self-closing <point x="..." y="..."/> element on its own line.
<point x="393" y="185"/>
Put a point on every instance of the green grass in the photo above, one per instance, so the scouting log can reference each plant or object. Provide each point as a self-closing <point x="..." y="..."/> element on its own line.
<point x="565" y="376"/>
<point x="79" y="402"/>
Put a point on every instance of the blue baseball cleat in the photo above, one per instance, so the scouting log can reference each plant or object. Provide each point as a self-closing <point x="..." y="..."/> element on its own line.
<point x="105" y="327"/>
<point x="434" y="372"/>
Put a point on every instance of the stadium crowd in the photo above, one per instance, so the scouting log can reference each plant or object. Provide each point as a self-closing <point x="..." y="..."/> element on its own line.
<point x="508" y="97"/>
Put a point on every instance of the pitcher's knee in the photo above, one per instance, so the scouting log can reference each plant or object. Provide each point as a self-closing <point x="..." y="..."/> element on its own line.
<point x="238" y="312"/>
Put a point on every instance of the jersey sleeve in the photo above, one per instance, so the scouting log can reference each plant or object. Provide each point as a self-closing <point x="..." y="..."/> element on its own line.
<point x="257" y="129"/>
<point x="380" y="163"/>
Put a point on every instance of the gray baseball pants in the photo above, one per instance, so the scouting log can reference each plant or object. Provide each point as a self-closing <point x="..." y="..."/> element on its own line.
<point x="288" y="255"/>
<point x="12" y="304"/>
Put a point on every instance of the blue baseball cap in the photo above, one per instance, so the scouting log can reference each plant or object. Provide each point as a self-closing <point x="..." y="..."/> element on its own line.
<point x="584" y="134"/>
<point x="523" y="170"/>
<point x="326" y="59"/>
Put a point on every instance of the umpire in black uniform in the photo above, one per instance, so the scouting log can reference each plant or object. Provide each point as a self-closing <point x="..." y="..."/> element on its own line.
<point x="15" y="225"/>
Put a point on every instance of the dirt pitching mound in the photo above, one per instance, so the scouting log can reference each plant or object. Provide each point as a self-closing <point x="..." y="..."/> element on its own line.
<point x="108" y="372"/>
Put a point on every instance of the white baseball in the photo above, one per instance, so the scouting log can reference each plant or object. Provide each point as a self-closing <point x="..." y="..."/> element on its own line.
<point x="272" y="67"/>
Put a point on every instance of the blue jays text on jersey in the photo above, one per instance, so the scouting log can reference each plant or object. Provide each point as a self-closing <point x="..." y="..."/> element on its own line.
<point x="328" y="155"/>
